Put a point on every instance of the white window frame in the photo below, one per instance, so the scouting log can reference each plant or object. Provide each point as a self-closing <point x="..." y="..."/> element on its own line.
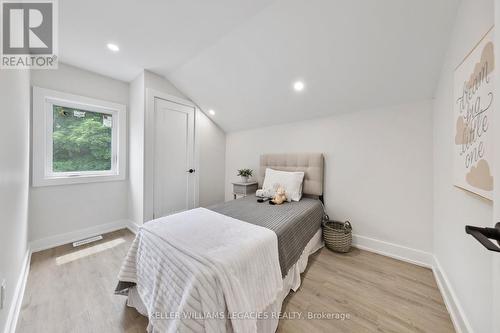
<point x="43" y="174"/>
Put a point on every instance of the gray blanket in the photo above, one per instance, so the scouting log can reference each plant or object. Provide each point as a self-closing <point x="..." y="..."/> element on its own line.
<point x="295" y="223"/>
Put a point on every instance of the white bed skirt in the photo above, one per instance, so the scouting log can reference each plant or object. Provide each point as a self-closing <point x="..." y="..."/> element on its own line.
<point x="291" y="281"/>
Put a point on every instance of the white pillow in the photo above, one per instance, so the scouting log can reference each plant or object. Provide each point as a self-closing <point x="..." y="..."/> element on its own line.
<point x="290" y="181"/>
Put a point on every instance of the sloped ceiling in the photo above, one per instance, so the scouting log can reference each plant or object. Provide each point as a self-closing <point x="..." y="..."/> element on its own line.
<point x="240" y="58"/>
<point x="152" y="34"/>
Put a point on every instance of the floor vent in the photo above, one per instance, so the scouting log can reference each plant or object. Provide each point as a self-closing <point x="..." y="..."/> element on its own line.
<point x="87" y="240"/>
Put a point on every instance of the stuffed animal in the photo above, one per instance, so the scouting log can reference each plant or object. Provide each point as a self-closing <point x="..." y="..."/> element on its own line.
<point x="279" y="197"/>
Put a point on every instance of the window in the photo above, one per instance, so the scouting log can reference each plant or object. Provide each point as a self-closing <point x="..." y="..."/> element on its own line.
<point x="76" y="139"/>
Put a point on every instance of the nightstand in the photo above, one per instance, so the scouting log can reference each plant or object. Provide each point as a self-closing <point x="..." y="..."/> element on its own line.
<point x="244" y="189"/>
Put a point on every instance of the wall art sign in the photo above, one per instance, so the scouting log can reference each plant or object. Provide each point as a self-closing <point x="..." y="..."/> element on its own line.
<point x="474" y="94"/>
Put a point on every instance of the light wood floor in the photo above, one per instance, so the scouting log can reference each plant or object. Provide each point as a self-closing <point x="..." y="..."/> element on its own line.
<point x="71" y="290"/>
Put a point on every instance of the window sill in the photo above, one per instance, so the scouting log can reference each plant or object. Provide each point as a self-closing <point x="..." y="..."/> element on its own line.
<point x="83" y="179"/>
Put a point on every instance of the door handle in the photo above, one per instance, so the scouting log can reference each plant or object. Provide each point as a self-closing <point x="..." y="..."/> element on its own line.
<point x="483" y="235"/>
<point x="191" y="170"/>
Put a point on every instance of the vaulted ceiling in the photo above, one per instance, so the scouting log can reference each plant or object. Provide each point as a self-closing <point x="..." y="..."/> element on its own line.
<point x="241" y="57"/>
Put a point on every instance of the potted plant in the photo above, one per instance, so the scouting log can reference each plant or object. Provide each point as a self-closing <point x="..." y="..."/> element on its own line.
<point x="245" y="174"/>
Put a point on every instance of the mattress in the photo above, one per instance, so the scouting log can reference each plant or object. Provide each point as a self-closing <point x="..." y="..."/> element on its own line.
<point x="291" y="281"/>
<point x="294" y="223"/>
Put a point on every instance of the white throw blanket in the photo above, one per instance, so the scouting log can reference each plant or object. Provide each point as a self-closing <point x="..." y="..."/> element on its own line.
<point x="200" y="259"/>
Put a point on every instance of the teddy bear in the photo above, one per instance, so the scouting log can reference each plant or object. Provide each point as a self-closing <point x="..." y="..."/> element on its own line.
<point x="279" y="197"/>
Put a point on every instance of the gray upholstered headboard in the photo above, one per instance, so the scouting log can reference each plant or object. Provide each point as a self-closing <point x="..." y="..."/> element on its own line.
<point x="311" y="163"/>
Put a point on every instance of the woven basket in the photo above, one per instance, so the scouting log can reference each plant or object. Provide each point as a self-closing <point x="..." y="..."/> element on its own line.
<point x="337" y="235"/>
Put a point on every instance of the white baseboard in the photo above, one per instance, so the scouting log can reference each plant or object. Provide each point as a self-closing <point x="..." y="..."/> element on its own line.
<point x="66" y="238"/>
<point x="17" y="300"/>
<point x="50" y="242"/>
<point x="395" y="251"/>
<point x="132" y="226"/>
<point x="456" y="311"/>
<point x="424" y="259"/>
<point x="392" y="250"/>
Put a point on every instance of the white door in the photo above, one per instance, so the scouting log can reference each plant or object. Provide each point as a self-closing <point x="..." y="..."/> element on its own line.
<point x="174" y="173"/>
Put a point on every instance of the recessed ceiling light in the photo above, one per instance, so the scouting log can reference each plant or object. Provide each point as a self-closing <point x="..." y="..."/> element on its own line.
<point x="298" y="86"/>
<point x="212" y="112"/>
<point x="113" y="47"/>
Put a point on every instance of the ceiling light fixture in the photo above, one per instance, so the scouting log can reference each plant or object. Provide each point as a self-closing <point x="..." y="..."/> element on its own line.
<point x="212" y="112"/>
<point x="113" y="47"/>
<point x="298" y="86"/>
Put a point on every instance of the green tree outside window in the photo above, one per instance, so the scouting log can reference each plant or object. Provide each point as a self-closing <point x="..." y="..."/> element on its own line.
<point x="81" y="140"/>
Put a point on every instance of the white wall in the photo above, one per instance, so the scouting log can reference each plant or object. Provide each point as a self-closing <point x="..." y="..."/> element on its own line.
<point x="463" y="260"/>
<point x="63" y="209"/>
<point x="136" y="150"/>
<point x="212" y="156"/>
<point x="154" y="82"/>
<point x="210" y="149"/>
<point x="210" y="146"/>
<point x="157" y="82"/>
<point x="14" y="179"/>
<point x="378" y="167"/>
<point x="56" y="212"/>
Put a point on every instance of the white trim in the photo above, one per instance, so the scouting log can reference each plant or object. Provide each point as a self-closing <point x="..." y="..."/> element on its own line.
<point x="424" y="259"/>
<point x="408" y="254"/>
<point x="70" y="237"/>
<point x="151" y="95"/>
<point x="457" y="313"/>
<point x="196" y="158"/>
<point x="133" y="227"/>
<point x="414" y="256"/>
<point x="51" y="242"/>
<point x="42" y="174"/>
<point x="17" y="300"/>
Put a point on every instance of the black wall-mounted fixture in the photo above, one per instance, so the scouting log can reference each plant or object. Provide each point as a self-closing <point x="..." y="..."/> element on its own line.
<point x="483" y="236"/>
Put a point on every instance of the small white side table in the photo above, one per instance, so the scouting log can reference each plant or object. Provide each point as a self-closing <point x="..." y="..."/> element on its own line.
<point x="244" y="189"/>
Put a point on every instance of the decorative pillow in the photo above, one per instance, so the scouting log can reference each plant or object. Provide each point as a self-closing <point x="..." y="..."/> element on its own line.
<point x="291" y="182"/>
<point x="268" y="193"/>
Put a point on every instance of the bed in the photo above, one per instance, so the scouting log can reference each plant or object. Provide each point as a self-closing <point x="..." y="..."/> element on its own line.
<point x="229" y="267"/>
